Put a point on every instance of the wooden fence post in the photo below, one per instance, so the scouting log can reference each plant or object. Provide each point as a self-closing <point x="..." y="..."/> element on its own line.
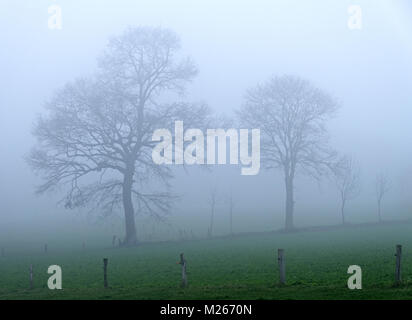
<point x="31" y="276"/>
<point x="105" y="260"/>
<point x="398" y="264"/>
<point x="282" y="269"/>
<point x="184" y="276"/>
<point x="114" y="241"/>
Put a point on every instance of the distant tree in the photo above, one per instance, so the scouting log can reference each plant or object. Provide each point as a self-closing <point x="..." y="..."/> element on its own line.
<point x="96" y="139"/>
<point x="291" y="114"/>
<point x="347" y="179"/>
<point x="381" y="189"/>
<point x="212" y="203"/>
<point x="231" y="205"/>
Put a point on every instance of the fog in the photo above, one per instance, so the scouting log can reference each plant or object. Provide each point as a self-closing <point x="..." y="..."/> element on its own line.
<point x="235" y="45"/>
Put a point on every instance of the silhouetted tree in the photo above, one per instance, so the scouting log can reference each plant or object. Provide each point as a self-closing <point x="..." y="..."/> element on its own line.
<point x="231" y="206"/>
<point x="347" y="181"/>
<point x="381" y="188"/>
<point x="291" y="114"/>
<point x="212" y="202"/>
<point x="96" y="139"/>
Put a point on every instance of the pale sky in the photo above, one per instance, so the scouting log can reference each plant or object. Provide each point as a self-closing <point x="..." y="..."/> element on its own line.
<point x="236" y="45"/>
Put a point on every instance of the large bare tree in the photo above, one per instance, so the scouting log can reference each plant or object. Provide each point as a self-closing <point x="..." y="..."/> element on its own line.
<point x="381" y="189"/>
<point x="96" y="139"/>
<point x="291" y="114"/>
<point x="347" y="179"/>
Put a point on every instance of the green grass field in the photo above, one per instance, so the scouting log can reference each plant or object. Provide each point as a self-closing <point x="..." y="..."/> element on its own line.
<point x="243" y="267"/>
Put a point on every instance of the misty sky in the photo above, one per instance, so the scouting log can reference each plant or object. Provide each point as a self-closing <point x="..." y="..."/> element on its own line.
<point x="236" y="45"/>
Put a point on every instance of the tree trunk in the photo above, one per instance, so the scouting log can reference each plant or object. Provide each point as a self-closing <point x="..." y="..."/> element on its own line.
<point x="211" y="221"/>
<point x="289" y="204"/>
<point x="231" y="219"/>
<point x="130" y="238"/>
<point x="342" y="211"/>
<point x="379" y="211"/>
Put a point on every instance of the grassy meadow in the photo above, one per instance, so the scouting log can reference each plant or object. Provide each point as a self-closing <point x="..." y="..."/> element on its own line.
<point x="240" y="267"/>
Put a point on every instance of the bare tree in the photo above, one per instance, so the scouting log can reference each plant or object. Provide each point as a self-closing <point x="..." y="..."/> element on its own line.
<point x="381" y="188"/>
<point x="291" y="114"/>
<point x="347" y="182"/>
<point x="231" y="205"/>
<point x="96" y="139"/>
<point x="212" y="202"/>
